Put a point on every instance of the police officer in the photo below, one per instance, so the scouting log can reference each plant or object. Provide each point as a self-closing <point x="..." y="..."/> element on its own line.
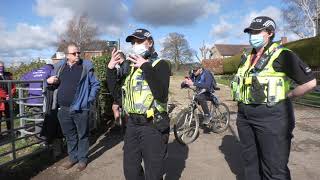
<point x="145" y="95"/>
<point x="261" y="86"/>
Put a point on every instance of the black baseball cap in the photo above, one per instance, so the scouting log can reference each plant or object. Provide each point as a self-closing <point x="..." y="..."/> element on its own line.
<point x="261" y="23"/>
<point x="197" y="66"/>
<point x="139" y="34"/>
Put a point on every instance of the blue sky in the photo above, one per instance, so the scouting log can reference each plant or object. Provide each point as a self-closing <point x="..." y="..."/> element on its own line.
<point x="30" y="28"/>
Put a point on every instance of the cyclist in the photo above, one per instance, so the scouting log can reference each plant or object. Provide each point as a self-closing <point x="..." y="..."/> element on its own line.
<point x="205" y="84"/>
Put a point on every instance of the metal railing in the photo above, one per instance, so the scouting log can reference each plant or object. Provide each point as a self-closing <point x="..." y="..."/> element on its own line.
<point x="27" y="123"/>
<point x="9" y="144"/>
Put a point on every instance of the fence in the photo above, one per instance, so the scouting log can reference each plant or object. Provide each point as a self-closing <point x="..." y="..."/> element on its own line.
<point x="18" y="139"/>
<point x="25" y="125"/>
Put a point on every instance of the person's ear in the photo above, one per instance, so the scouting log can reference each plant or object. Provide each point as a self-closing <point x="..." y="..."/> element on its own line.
<point x="150" y="43"/>
<point x="270" y="34"/>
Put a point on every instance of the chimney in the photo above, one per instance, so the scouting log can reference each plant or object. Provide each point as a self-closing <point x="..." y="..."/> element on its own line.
<point x="284" y="40"/>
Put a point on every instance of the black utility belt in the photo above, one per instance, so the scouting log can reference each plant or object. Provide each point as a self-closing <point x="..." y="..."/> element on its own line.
<point x="140" y="119"/>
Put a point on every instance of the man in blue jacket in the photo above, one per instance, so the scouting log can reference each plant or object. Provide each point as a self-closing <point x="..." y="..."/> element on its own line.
<point x="76" y="92"/>
<point x="205" y="83"/>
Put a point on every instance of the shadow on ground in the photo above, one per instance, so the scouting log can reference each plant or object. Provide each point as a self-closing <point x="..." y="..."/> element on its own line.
<point x="34" y="165"/>
<point x="176" y="161"/>
<point x="110" y="139"/>
<point x="231" y="149"/>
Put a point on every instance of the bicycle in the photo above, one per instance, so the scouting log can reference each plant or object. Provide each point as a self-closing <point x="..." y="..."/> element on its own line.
<point x="186" y="128"/>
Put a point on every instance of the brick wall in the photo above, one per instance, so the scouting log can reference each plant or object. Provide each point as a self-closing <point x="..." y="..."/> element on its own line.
<point x="215" y="65"/>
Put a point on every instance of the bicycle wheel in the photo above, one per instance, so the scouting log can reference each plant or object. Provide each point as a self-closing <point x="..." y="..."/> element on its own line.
<point x="220" y="117"/>
<point x="186" y="128"/>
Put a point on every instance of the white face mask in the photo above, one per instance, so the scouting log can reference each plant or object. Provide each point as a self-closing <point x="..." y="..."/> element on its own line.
<point x="139" y="49"/>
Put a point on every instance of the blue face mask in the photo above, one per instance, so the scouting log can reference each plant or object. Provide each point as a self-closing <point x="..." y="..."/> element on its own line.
<point x="256" y="40"/>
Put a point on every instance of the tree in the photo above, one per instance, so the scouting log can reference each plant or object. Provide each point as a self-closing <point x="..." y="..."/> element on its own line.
<point x="301" y="16"/>
<point x="79" y="31"/>
<point x="176" y="48"/>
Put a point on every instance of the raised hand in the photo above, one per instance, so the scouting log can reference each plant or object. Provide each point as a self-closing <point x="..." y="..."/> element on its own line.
<point x="115" y="58"/>
<point x="137" y="60"/>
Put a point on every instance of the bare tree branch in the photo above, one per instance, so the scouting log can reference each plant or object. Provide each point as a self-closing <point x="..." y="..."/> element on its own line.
<point x="176" y="48"/>
<point x="80" y="31"/>
<point x="301" y="17"/>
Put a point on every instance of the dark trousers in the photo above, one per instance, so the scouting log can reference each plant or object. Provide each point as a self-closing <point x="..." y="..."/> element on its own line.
<point x="6" y="114"/>
<point x="144" y="142"/>
<point x="75" y="127"/>
<point x="202" y="99"/>
<point x="265" y="136"/>
<point x="37" y="110"/>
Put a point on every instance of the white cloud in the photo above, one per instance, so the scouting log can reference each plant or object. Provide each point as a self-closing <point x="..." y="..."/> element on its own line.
<point x="24" y="37"/>
<point x="225" y="32"/>
<point x="222" y="30"/>
<point x="109" y="15"/>
<point x="175" y="13"/>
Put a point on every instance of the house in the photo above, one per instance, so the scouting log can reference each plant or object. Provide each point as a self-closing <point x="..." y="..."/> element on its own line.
<point x="221" y="51"/>
<point x="92" y="49"/>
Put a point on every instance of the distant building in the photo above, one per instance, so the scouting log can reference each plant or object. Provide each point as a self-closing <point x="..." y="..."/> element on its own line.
<point x="57" y="57"/>
<point x="91" y="50"/>
<point x="221" y="51"/>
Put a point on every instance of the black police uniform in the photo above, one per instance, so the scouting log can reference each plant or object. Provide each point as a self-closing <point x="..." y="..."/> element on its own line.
<point x="143" y="139"/>
<point x="266" y="132"/>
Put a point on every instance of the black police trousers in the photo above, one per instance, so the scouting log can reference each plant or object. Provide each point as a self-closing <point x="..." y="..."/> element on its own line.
<point x="265" y="137"/>
<point x="143" y="141"/>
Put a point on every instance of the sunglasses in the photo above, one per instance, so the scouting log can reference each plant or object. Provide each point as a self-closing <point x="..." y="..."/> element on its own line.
<point x="75" y="53"/>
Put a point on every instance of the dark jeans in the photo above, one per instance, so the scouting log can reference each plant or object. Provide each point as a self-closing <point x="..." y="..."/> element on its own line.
<point x="144" y="142"/>
<point x="265" y="135"/>
<point x="202" y="99"/>
<point x="36" y="110"/>
<point x="75" y="127"/>
<point x="6" y="113"/>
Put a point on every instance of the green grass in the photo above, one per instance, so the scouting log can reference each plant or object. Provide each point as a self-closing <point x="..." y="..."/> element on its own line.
<point x="224" y="79"/>
<point x="18" y="144"/>
<point x="312" y="99"/>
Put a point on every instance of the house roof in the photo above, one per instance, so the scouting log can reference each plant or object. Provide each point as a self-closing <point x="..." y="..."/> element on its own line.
<point x="230" y="49"/>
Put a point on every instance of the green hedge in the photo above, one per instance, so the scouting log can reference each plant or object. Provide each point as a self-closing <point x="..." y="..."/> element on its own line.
<point x="105" y="100"/>
<point x="307" y="49"/>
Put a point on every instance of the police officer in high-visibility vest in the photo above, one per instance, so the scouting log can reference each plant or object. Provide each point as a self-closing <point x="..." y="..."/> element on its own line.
<point x="261" y="86"/>
<point x="145" y="96"/>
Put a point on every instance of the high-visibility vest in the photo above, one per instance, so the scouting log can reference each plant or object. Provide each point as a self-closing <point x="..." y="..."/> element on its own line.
<point x="137" y="95"/>
<point x="261" y="86"/>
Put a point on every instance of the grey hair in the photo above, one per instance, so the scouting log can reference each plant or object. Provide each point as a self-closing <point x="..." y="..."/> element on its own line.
<point x="1" y="62"/>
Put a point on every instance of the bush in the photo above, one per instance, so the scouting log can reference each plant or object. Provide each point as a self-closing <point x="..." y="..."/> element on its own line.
<point x="308" y="50"/>
<point x="17" y="72"/>
<point x="105" y="100"/>
<point x="230" y="65"/>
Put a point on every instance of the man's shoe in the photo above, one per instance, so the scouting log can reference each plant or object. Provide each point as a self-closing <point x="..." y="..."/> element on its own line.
<point x="206" y="119"/>
<point x="68" y="164"/>
<point x="81" y="166"/>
